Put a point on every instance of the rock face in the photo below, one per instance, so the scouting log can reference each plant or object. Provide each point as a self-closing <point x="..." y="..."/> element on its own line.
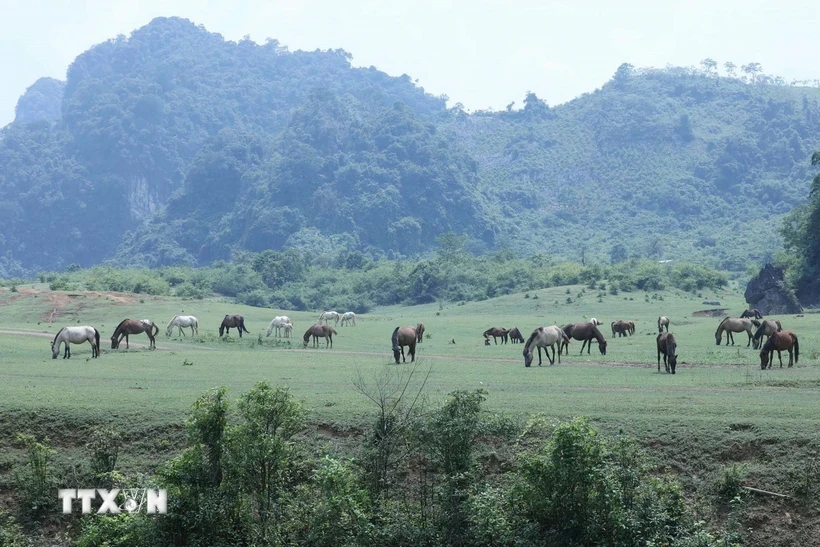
<point x="767" y="293"/>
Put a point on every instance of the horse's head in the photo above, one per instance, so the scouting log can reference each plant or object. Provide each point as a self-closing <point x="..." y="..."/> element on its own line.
<point x="114" y="343"/>
<point x="528" y="357"/>
<point x="54" y="350"/>
<point x="764" y="359"/>
<point x="602" y="347"/>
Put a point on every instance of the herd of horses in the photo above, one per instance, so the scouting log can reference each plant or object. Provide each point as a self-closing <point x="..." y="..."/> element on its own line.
<point x="280" y="324"/>
<point x="546" y="338"/>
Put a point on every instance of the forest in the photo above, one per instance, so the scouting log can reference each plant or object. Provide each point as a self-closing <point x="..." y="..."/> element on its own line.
<point x="175" y="147"/>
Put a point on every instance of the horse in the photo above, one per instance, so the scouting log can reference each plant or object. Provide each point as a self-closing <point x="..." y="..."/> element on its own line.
<point x="765" y="328"/>
<point x="779" y="341"/>
<point x="280" y="322"/>
<point x="586" y="332"/>
<point x="733" y="324"/>
<point x="328" y="315"/>
<point x="404" y="336"/>
<point x="75" y="335"/>
<point x="347" y="317"/>
<point x="663" y="321"/>
<point x="496" y="332"/>
<point x="233" y="321"/>
<point x="545" y="337"/>
<point x="568" y="331"/>
<point x="420" y="333"/>
<point x="595" y="322"/>
<point x="319" y="331"/>
<point x="133" y="326"/>
<point x="180" y="321"/>
<point x="622" y="328"/>
<point x="515" y="335"/>
<point x="755" y="313"/>
<point x="669" y="347"/>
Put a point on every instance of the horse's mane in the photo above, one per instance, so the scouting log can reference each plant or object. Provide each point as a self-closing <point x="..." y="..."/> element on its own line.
<point x="528" y="343"/>
<point x="56" y="335"/>
<point x="597" y="334"/>
<point x="120" y="326"/>
<point x="395" y="339"/>
<point x="171" y="322"/>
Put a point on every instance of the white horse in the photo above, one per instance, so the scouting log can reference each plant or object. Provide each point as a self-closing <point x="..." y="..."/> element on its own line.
<point x="545" y="337"/>
<point x="595" y="322"/>
<point x="180" y="321"/>
<point x="347" y="317"/>
<point x="75" y="335"/>
<point x="280" y="322"/>
<point x="328" y="315"/>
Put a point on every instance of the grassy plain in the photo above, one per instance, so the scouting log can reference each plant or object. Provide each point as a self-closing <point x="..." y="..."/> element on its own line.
<point x="720" y="407"/>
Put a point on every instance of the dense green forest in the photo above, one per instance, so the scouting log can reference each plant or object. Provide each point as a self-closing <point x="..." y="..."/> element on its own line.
<point x="176" y="147"/>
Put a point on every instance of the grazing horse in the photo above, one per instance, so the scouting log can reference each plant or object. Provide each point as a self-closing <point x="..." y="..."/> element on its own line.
<point x="779" y="341"/>
<point x="733" y="324"/>
<point x="586" y="332"/>
<point x="328" y="315"/>
<point x="180" y="321"/>
<point x="545" y="337"/>
<point x="319" y="331"/>
<point x="280" y="322"/>
<point x="405" y="336"/>
<point x="133" y="326"/>
<point x="668" y="346"/>
<point x="496" y="332"/>
<point x="515" y="335"/>
<point x="347" y="317"/>
<point x="233" y="321"/>
<point x="75" y="335"/>
<point x="420" y="333"/>
<point x="765" y="328"/>
<point x="755" y="313"/>
<point x="663" y="321"/>
<point x="595" y="322"/>
<point x="622" y="328"/>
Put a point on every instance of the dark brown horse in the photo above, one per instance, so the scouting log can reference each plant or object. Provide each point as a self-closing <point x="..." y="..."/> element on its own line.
<point x="764" y="328"/>
<point x="404" y="336"/>
<point x="134" y="326"/>
<point x="319" y="331"/>
<point x="496" y="332"/>
<point x="779" y="341"/>
<point x="668" y="346"/>
<point x="515" y="335"/>
<point x="233" y="321"/>
<point x="752" y="313"/>
<point x="586" y="332"/>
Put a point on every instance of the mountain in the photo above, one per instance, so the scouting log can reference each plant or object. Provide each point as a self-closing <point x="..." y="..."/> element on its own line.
<point x="176" y="146"/>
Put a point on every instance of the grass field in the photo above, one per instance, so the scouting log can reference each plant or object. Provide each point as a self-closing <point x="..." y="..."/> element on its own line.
<point x="719" y="408"/>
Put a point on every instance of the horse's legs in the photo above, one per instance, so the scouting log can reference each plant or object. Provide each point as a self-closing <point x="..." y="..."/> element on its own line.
<point x="750" y="338"/>
<point x="67" y="354"/>
<point x="93" y="349"/>
<point x="546" y="350"/>
<point x="126" y="341"/>
<point x="780" y="357"/>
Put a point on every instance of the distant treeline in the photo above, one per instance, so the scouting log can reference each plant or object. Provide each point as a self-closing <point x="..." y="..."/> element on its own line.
<point x="352" y="281"/>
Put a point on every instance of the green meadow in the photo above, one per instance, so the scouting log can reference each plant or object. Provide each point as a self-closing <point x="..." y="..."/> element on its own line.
<point x="719" y="408"/>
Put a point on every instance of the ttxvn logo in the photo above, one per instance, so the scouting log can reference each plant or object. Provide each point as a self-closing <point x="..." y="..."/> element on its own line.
<point x="116" y="501"/>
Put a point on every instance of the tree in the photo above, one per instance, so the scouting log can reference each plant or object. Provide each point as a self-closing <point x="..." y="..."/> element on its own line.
<point x="618" y="254"/>
<point x="730" y="68"/>
<point x="710" y="66"/>
<point x="752" y="69"/>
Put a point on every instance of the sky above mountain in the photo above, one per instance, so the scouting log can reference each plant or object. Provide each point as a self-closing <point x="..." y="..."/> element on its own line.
<point x="483" y="54"/>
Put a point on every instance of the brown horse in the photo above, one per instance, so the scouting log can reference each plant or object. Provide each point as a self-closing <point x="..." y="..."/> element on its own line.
<point x="496" y="332"/>
<point x="751" y="313"/>
<point x="668" y="346"/>
<point x="233" y="321"/>
<point x="622" y="328"/>
<point x="319" y="331"/>
<point x="404" y="336"/>
<point x="779" y="341"/>
<point x="586" y="332"/>
<point x="733" y="324"/>
<point x="515" y="335"/>
<point x="420" y="333"/>
<point x="764" y="328"/>
<point x="134" y="326"/>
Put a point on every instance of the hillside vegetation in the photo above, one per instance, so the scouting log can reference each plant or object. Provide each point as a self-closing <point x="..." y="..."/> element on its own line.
<point x="174" y="146"/>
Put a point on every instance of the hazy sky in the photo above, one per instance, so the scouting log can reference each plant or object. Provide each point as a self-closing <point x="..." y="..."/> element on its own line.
<point x="482" y="53"/>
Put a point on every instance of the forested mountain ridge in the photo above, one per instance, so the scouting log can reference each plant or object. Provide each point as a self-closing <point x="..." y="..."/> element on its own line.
<point x="175" y="146"/>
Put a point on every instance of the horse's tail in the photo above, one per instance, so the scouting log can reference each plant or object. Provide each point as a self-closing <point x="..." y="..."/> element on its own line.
<point x="779" y="326"/>
<point x="796" y="348"/>
<point x="242" y="325"/>
<point x="97" y="340"/>
<point x="154" y="326"/>
<point x="333" y="330"/>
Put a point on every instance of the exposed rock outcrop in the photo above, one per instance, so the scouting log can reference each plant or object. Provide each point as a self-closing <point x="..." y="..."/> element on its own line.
<point x="767" y="293"/>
